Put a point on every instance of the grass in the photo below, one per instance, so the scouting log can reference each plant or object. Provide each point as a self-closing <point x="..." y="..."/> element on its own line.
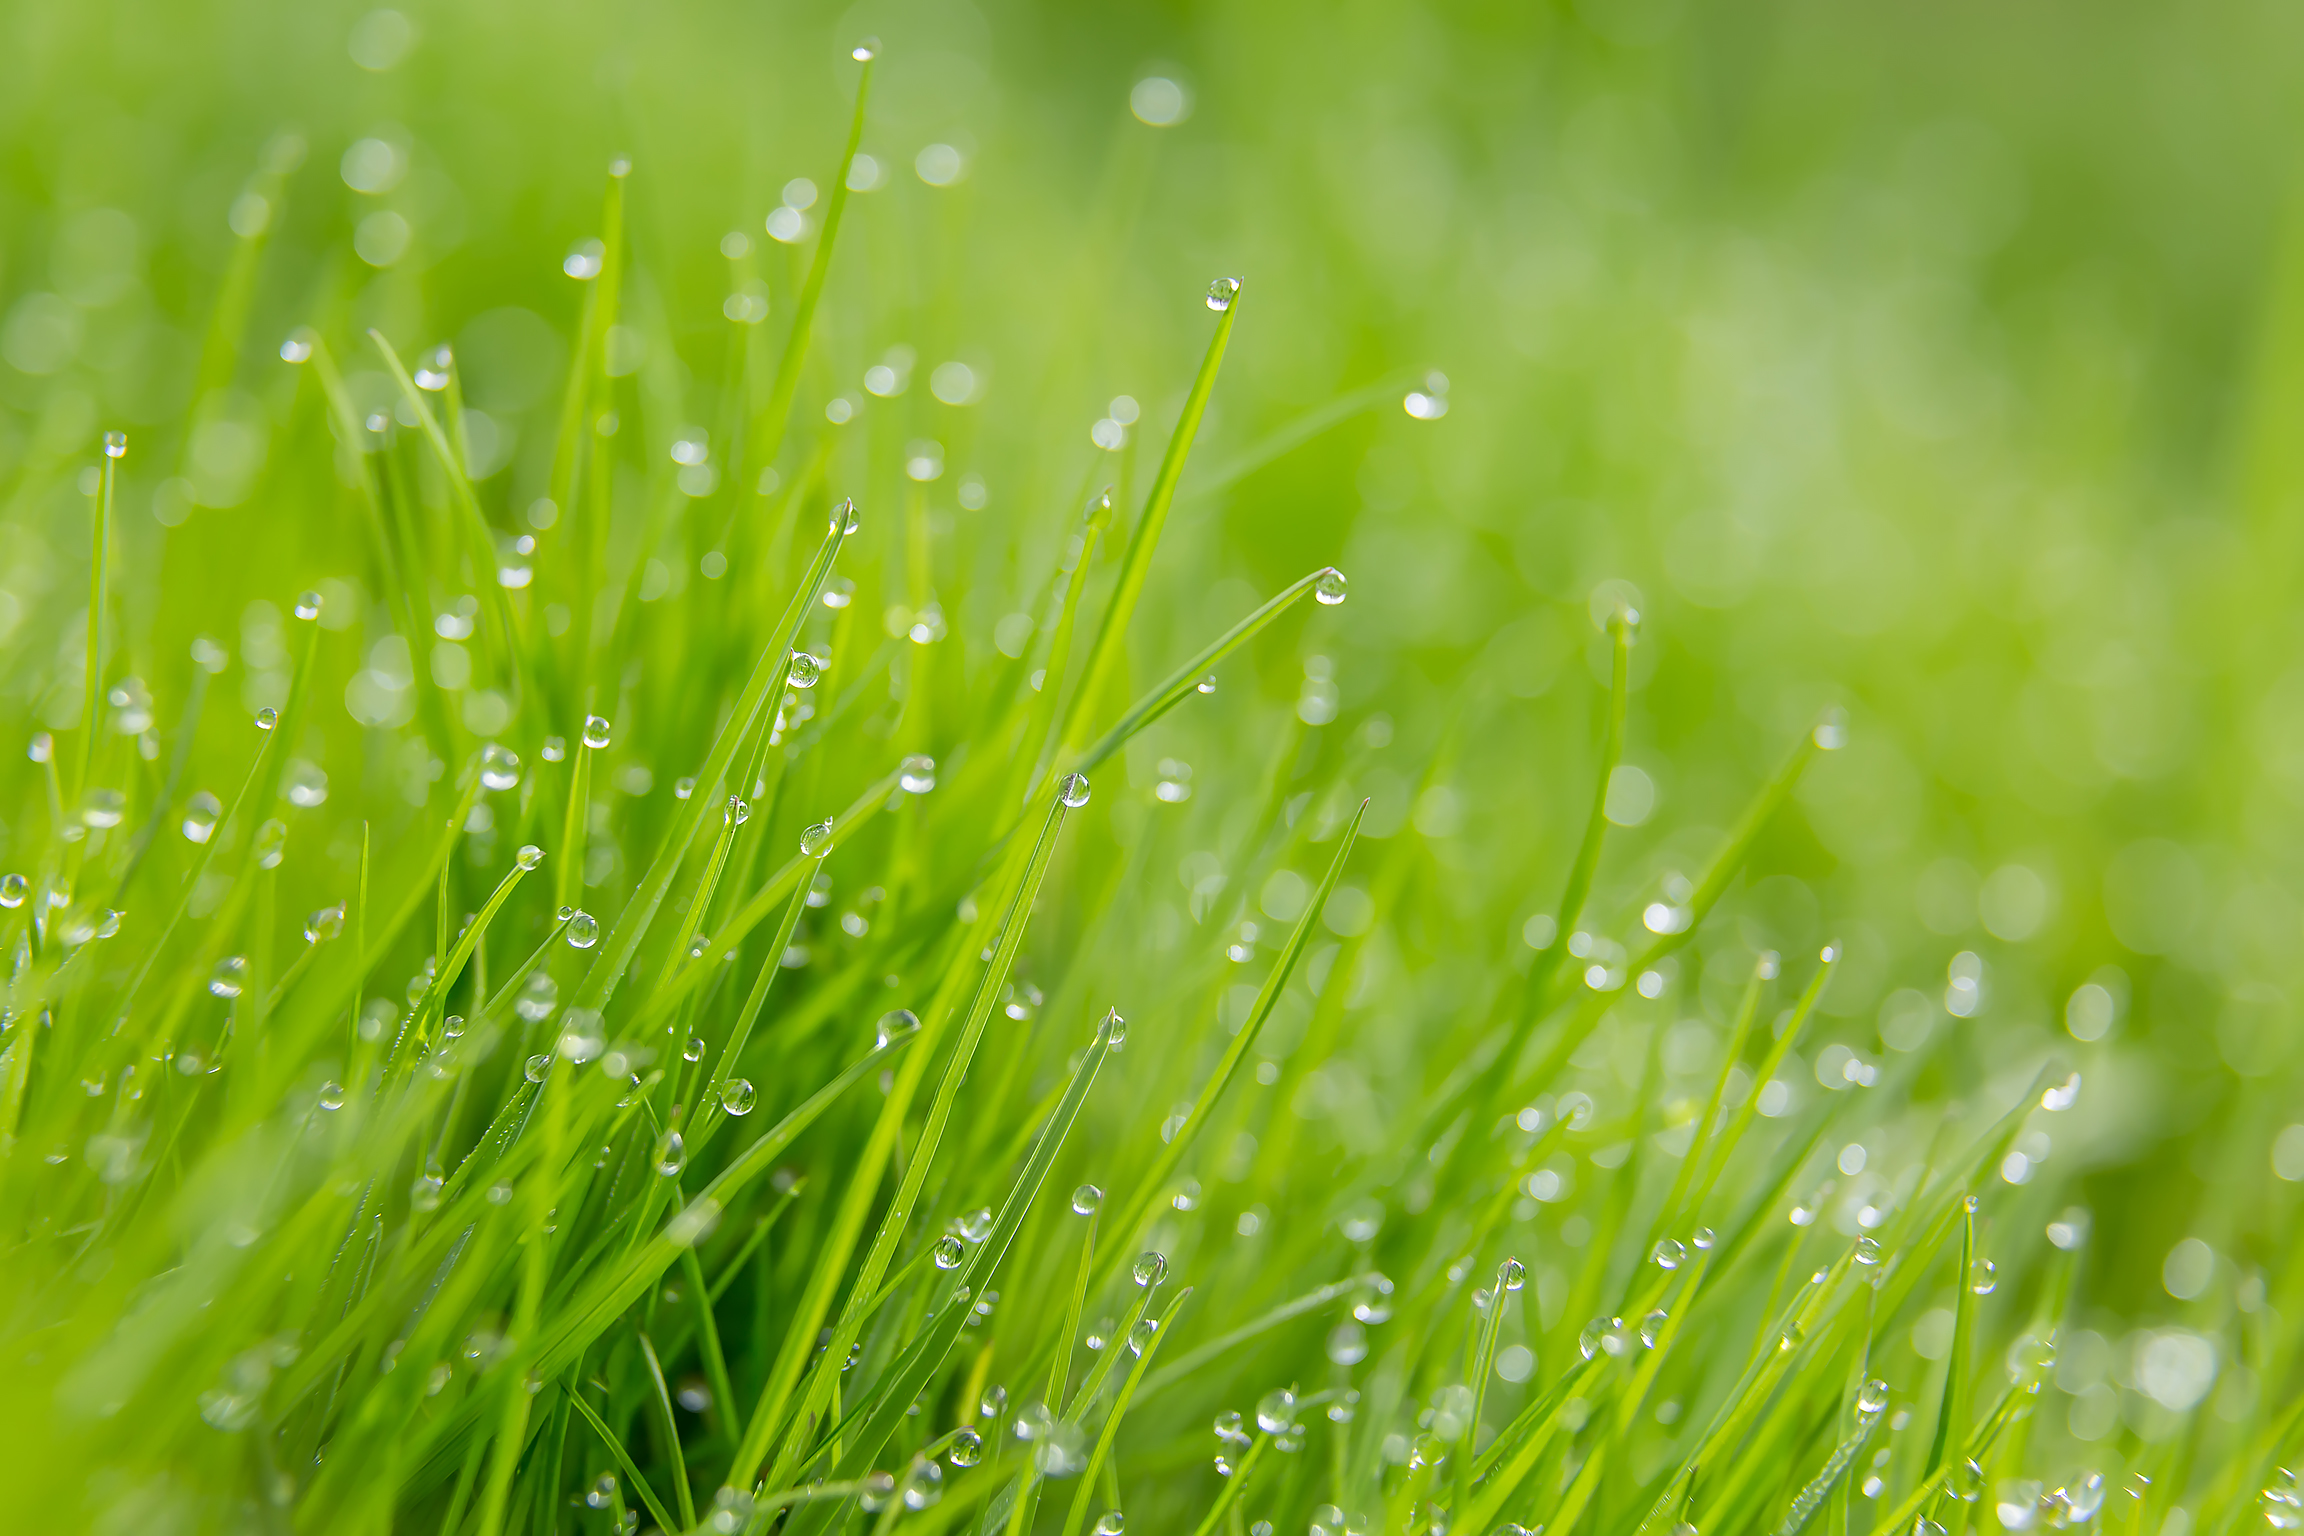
<point x="854" y="966"/>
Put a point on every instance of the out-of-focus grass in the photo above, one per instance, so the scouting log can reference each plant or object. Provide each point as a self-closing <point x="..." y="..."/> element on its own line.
<point x="1941" y="368"/>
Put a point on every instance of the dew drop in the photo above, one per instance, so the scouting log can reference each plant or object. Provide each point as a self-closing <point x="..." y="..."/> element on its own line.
<point x="1867" y="1251"/>
<point x="229" y="977"/>
<point x="1670" y="1253"/>
<point x="1983" y="1277"/>
<point x="806" y="670"/>
<point x="583" y="930"/>
<point x="967" y="1448"/>
<point x="917" y="776"/>
<point x="554" y="750"/>
<point x="13" y="888"/>
<point x="115" y="445"/>
<point x="424" y="1194"/>
<point x="736" y="1096"/>
<point x="499" y="767"/>
<point x="1150" y="1269"/>
<point x="529" y="856"/>
<point x="693" y="1050"/>
<point x="308" y="606"/>
<point x="536" y="1067"/>
<point x="1085" y="1199"/>
<point x="893" y="1024"/>
<point x="1276" y="1411"/>
<point x="975" y="1226"/>
<point x="948" y="1252"/>
<point x="267" y="718"/>
<point x="1511" y="1275"/>
<point x="1115" y="1030"/>
<point x="844" y="520"/>
<point x="324" y="924"/>
<point x="671" y="1153"/>
<point x="1330" y="587"/>
<point x="1705" y="1237"/>
<point x="596" y="732"/>
<point x="816" y="841"/>
<point x="1872" y="1399"/>
<point x="1073" y="790"/>
<point x="866" y="51"/>
<point x="1222" y="292"/>
<point x="331" y="1095"/>
<point x="1111" y="1523"/>
<point x="1652" y="1328"/>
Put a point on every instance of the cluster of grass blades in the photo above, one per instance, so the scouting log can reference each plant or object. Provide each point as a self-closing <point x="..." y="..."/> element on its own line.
<point x="807" y="1183"/>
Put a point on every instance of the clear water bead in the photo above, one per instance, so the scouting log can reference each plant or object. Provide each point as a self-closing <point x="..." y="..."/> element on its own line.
<point x="1276" y="1411"/>
<point x="1652" y="1328"/>
<point x="917" y="775"/>
<point x="1149" y="1269"/>
<point x="554" y="750"/>
<point x="737" y="1097"/>
<point x="967" y="1448"/>
<point x="844" y="520"/>
<point x="1085" y="1199"/>
<point x="693" y="1050"/>
<point x="229" y="977"/>
<point x="866" y="51"/>
<point x="1983" y="1277"/>
<point x="115" y="445"/>
<point x="1222" y="292"/>
<point x="499" y="767"/>
<point x="816" y="841"/>
<point x="1670" y="1253"/>
<point x="947" y="1252"/>
<point x="1867" y="1251"/>
<point x="894" y="1024"/>
<point x="536" y="1066"/>
<point x="529" y="856"/>
<point x="267" y="718"/>
<point x="14" y="887"/>
<point x="596" y="732"/>
<point x="1872" y="1399"/>
<point x="806" y="670"/>
<point x="1111" y="1523"/>
<point x="308" y="606"/>
<point x="1705" y="1237"/>
<point x="1115" y="1029"/>
<point x="1329" y="586"/>
<point x="1073" y="790"/>
<point x="671" y="1153"/>
<point x="325" y="924"/>
<point x="583" y="930"/>
<point x="331" y="1095"/>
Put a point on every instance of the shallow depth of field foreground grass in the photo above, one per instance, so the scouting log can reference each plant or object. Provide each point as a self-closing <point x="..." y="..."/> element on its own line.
<point x="1320" y="772"/>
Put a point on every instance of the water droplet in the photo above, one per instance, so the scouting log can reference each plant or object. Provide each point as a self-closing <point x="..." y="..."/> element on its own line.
<point x="1115" y="1030"/>
<point x="736" y="1096"/>
<point x="1684" y="1528"/>
<point x="816" y="841"/>
<point x="267" y="718"/>
<point x="331" y="1095"/>
<point x="917" y="776"/>
<point x="499" y="767"/>
<point x="736" y="812"/>
<point x="596" y="732"/>
<point x="453" y="1026"/>
<point x="1966" y="1481"/>
<point x="1670" y="1253"/>
<point x="1276" y="1411"/>
<point x="308" y="606"/>
<point x="536" y="1067"/>
<point x="230" y="976"/>
<point x="1511" y="1275"/>
<point x="1705" y="1237"/>
<point x="424" y="1194"/>
<point x="806" y="670"/>
<point x="1222" y="292"/>
<point x="894" y="1023"/>
<point x="115" y="445"/>
<point x="603" y="1491"/>
<point x="554" y="750"/>
<point x="1330" y="587"/>
<point x="1085" y="1199"/>
<point x="1831" y="733"/>
<point x="1111" y="1523"/>
<point x="1140" y="1336"/>
<point x="1867" y="1251"/>
<point x="671" y="1153"/>
<point x="1073" y="790"/>
<point x="1150" y="1269"/>
<point x="844" y="519"/>
<point x="967" y="1448"/>
<point x="325" y="924"/>
<point x="538" y="998"/>
<point x="947" y="1252"/>
<point x="529" y="856"/>
<point x="975" y="1226"/>
<point x="1652" y="1328"/>
<point x="1983" y="1277"/>
<point x="583" y="930"/>
<point x="14" y="887"/>
<point x="866" y="51"/>
<point x="1872" y="1399"/>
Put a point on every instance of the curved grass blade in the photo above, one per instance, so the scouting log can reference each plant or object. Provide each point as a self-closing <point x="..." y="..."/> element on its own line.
<point x="623" y="1457"/>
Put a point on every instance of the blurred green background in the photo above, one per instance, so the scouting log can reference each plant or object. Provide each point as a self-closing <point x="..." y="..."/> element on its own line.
<point x="1942" y="363"/>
